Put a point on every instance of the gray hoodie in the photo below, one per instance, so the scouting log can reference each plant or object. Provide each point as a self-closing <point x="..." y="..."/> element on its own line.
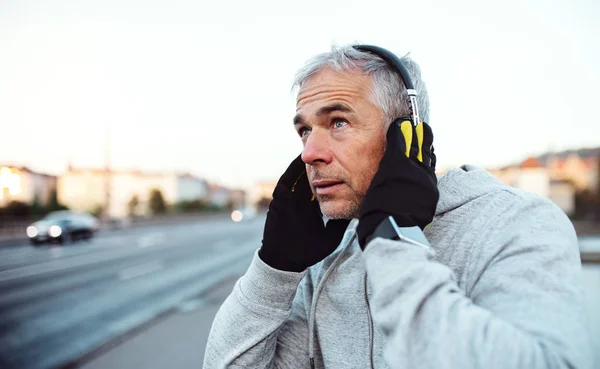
<point x="501" y="289"/>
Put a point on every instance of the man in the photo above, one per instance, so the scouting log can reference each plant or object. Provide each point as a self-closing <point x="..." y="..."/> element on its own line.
<point x="368" y="261"/>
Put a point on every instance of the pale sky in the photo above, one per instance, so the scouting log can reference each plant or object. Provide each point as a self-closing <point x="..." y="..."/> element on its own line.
<point x="204" y="87"/>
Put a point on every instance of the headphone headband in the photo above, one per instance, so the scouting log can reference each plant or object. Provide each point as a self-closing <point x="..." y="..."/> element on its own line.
<point x="396" y="64"/>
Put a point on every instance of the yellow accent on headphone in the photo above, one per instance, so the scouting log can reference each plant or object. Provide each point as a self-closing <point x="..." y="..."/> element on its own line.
<point x="406" y="128"/>
<point x="420" y="141"/>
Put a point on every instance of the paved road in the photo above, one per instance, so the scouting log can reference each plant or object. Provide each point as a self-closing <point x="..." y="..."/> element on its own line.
<point x="58" y="303"/>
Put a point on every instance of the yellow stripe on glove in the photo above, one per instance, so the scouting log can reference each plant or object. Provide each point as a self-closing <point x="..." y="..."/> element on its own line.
<point x="407" y="131"/>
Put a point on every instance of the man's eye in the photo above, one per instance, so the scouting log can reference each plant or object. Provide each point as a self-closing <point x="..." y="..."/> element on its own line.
<point x="303" y="131"/>
<point x="339" y="123"/>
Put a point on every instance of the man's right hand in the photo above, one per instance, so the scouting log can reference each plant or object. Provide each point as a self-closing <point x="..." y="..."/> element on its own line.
<point x="295" y="236"/>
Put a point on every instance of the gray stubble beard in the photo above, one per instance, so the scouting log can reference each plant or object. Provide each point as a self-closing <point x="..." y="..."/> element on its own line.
<point x="351" y="211"/>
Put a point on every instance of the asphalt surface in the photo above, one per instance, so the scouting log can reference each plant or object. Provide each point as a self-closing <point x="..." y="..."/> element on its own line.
<point x="57" y="304"/>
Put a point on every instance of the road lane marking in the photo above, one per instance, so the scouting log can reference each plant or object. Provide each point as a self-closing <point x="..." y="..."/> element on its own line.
<point x="187" y="281"/>
<point x="152" y="239"/>
<point x="56" y="252"/>
<point x="140" y="270"/>
<point x="63" y="264"/>
<point x="187" y="306"/>
<point x="83" y="259"/>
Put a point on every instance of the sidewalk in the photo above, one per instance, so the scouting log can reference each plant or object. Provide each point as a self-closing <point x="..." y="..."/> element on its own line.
<point x="176" y="341"/>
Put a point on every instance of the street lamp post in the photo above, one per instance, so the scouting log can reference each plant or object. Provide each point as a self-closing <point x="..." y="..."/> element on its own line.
<point x="107" y="173"/>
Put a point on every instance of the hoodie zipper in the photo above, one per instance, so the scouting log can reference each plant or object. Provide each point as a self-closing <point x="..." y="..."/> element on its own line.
<point x="313" y="308"/>
<point x="371" y="329"/>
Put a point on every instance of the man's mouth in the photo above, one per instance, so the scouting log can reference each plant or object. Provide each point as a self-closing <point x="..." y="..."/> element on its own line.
<point x="326" y="187"/>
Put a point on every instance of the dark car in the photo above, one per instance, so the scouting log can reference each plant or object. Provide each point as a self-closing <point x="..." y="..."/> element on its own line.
<point x="62" y="227"/>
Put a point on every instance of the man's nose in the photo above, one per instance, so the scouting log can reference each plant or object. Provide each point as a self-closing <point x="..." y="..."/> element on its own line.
<point x="317" y="148"/>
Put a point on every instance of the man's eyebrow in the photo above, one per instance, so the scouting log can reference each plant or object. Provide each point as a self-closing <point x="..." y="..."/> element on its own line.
<point x="298" y="119"/>
<point x="325" y="110"/>
<point x="328" y="109"/>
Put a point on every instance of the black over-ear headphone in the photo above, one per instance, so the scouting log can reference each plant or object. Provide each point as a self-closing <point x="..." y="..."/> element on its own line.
<point x="395" y="62"/>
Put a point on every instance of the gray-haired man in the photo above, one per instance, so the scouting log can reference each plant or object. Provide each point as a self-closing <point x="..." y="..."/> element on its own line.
<point x="474" y="274"/>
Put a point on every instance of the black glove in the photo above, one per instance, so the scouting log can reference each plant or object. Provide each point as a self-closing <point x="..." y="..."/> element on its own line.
<point x="405" y="185"/>
<point x="295" y="237"/>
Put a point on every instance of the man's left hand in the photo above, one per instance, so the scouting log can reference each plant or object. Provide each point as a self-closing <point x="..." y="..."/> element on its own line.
<point x="405" y="185"/>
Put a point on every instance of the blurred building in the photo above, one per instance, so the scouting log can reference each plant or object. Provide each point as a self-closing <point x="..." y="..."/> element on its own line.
<point x="582" y="172"/>
<point x="557" y="176"/>
<point x="238" y="198"/>
<point x="219" y="196"/>
<point x="86" y="189"/>
<point x="529" y="176"/>
<point x="532" y="176"/>
<point x="562" y="193"/>
<point x="261" y="193"/>
<point x="25" y="185"/>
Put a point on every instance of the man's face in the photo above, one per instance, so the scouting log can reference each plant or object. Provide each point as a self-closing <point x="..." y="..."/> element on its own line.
<point x="343" y="137"/>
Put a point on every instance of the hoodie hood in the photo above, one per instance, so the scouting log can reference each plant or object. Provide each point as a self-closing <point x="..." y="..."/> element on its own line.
<point x="462" y="185"/>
